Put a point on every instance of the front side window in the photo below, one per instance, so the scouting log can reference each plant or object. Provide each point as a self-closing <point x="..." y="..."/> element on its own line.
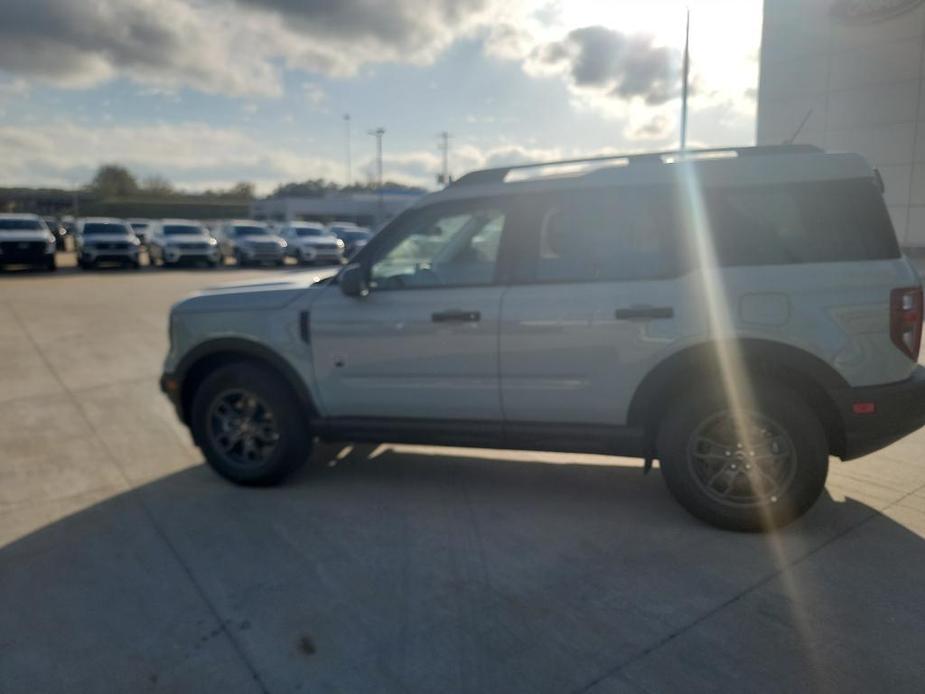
<point x="448" y="246"/>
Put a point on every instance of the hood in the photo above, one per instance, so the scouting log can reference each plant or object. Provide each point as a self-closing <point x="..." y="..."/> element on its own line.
<point x="254" y="295"/>
<point x="257" y="238"/>
<point x="107" y="238"/>
<point x="26" y="235"/>
<point x="187" y="238"/>
<point x="323" y="241"/>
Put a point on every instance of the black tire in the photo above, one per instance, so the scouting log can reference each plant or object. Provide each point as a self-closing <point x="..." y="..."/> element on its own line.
<point x="239" y="259"/>
<point x="293" y="444"/>
<point x="86" y="264"/>
<point x="701" y="470"/>
<point x="51" y="265"/>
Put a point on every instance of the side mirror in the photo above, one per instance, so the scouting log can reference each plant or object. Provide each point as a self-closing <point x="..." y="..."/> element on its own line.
<point x="352" y="280"/>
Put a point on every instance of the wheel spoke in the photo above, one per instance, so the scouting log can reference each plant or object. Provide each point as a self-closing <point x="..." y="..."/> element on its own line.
<point x="243" y="428"/>
<point x="741" y="460"/>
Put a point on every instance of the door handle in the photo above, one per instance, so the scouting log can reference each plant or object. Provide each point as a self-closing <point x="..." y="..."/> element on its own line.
<point x="644" y="312"/>
<point x="456" y="316"/>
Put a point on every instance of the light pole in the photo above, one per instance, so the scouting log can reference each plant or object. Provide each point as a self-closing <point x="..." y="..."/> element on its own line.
<point x="378" y="133"/>
<point x="684" y="76"/>
<point x="349" y="176"/>
<point x="445" y="148"/>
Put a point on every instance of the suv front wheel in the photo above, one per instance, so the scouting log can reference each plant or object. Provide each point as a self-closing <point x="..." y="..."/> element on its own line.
<point x="755" y="467"/>
<point x="249" y="425"/>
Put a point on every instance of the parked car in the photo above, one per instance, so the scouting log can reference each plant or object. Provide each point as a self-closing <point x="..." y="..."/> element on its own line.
<point x="142" y="229"/>
<point x="175" y="241"/>
<point x="26" y="240"/>
<point x="354" y="237"/>
<point x="311" y="243"/>
<point x="739" y="315"/>
<point x="106" y="240"/>
<point x="250" y="242"/>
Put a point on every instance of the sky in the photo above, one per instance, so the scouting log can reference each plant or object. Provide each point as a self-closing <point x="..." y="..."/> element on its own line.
<point x="207" y="93"/>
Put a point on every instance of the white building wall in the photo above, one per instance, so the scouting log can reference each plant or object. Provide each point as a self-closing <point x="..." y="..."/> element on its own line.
<point x="859" y="65"/>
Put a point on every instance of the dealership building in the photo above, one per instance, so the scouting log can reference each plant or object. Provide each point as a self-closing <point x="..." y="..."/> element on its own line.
<point x="366" y="209"/>
<point x="854" y="70"/>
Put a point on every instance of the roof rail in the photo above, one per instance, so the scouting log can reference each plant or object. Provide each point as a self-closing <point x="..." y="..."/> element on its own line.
<point x="498" y="174"/>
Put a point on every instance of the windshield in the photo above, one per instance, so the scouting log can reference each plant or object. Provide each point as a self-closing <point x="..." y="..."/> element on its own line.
<point x="20" y="224"/>
<point x="95" y="228"/>
<point x="138" y="226"/>
<point x="179" y="229"/>
<point x="308" y="231"/>
<point x="251" y="231"/>
<point x="355" y="235"/>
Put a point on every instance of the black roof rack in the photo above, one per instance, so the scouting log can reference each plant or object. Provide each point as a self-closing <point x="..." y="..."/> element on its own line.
<point x="497" y="175"/>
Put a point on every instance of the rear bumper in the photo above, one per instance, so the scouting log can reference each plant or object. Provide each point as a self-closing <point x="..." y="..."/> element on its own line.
<point x="899" y="409"/>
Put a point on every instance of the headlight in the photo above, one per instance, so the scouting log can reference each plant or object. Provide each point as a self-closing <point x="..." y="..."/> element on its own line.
<point x="340" y="244"/>
<point x="50" y="244"/>
<point x="135" y="241"/>
<point x="282" y="243"/>
<point x="212" y="242"/>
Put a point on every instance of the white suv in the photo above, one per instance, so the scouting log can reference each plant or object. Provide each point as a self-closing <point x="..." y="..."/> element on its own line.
<point x="175" y="241"/>
<point x="739" y="315"/>
<point x="106" y="240"/>
<point x="250" y="242"/>
<point x="26" y="240"/>
<point x="312" y="243"/>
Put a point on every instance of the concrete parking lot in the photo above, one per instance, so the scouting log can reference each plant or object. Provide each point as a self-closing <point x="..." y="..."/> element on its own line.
<point x="126" y="565"/>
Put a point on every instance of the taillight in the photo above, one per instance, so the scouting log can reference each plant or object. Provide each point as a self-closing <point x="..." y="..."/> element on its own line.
<point x="906" y="320"/>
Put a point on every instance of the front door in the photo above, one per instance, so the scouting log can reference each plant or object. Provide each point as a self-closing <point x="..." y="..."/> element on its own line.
<point x="423" y="343"/>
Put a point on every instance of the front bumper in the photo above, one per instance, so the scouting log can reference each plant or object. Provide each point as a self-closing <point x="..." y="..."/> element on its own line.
<point x="313" y="254"/>
<point x="103" y="254"/>
<point x="899" y="410"/>
<point x="179" y="254"/>
<point x="262" y="255"/>
<point x="25" y="253"/>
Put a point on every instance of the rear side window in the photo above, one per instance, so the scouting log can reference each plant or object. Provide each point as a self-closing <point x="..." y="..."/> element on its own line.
<point x="599" y="235"/>
<point x="809" y="222"/>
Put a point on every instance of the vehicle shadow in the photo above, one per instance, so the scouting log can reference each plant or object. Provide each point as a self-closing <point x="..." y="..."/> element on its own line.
<point x="457" y="572"/>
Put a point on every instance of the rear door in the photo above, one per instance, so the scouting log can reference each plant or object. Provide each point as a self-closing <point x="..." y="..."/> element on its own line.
<point x="424" y="342"/>
<point x="594" y="304"/>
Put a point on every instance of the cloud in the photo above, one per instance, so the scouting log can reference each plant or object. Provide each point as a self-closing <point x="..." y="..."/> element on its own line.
<point x="619" y="65"/>
<point x="233" y="47"/>
<point x="159" y="42"/>
<point x="191" y="155"/>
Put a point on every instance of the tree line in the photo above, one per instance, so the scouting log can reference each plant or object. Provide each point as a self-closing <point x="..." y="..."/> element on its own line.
<point x="117" y="181"/>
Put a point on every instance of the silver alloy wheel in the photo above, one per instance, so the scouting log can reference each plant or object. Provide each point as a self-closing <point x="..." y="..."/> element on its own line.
<point x="742" y="468"/>
<point x="242" y="428"/>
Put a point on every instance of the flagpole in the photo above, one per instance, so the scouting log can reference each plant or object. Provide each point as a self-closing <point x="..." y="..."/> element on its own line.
<point x="684" y="78"/>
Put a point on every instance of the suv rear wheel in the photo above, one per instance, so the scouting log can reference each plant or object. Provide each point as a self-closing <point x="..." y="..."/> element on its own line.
<point x="754" y="469"/>
<point x="249" y="425"/>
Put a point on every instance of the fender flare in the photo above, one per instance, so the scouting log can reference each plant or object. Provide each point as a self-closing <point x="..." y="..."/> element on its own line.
<point x="204" y="357"/>
<point x="805" y="372"/>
